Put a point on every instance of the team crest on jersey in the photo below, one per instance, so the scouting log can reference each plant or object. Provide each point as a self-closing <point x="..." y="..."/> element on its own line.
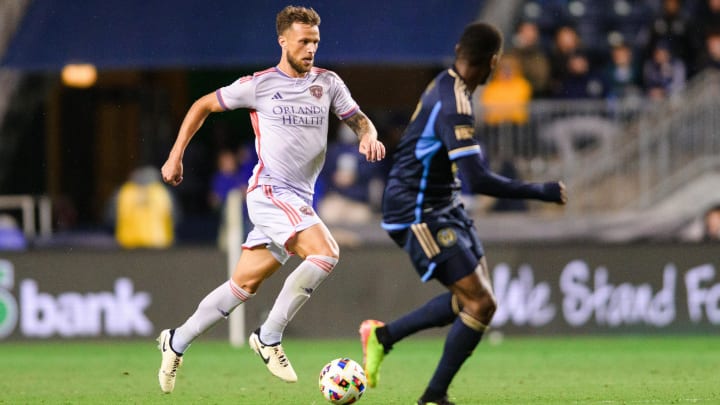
<point x="316" y="91"/>
<point x="446" y="237"/>
<point x="307" y="210"/>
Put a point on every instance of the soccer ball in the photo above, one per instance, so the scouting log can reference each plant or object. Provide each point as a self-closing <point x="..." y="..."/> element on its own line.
<point x="342" y="381"/>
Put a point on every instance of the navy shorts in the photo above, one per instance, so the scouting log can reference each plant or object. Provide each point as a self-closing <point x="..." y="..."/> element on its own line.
<point x="442" y="236"/>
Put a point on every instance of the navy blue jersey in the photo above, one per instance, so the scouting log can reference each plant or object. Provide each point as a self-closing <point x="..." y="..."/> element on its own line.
<point x="423" y="178"/>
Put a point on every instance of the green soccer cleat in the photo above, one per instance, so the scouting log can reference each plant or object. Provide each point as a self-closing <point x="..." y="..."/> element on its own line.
<point x="373" y="350"/>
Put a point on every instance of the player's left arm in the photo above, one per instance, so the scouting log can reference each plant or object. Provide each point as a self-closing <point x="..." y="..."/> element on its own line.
<point x="370" y="146"/>
<point x="482" y="180"/>
<point x="457" y="132"/>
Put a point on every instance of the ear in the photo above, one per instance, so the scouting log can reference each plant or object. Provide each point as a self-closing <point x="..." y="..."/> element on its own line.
<point x="494" y="61"/>
<point x="282" y="41"/>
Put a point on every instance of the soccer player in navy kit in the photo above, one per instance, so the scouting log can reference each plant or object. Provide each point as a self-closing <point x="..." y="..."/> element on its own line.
<point x="423" y="214"/>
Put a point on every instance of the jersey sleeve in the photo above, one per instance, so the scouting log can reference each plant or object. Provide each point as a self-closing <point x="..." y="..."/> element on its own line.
<point x="343" y="104"/>
<point x="456" y="131"/>
<point x="239" y="94"/>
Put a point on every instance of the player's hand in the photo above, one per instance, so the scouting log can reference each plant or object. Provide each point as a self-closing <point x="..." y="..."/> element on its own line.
<point x="554" y="192"/>
<point x="172" y="172"/>
<point x="373" y="150"/>
<point x="563" y="193"/>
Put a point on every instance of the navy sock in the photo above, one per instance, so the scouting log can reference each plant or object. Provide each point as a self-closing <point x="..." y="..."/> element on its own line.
<point x="459" y="345"/>
<point x="435" y="313"/>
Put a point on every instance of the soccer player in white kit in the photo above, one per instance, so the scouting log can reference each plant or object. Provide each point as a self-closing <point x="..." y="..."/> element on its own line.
<point x="289" y="107"/>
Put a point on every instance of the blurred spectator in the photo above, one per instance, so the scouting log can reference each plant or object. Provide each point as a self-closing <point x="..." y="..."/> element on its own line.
<point x="671" y="27"/>
<point x="712" y="224"/>
<point x="706" y="22"/>
<point x="574" y="134"/>
<point x="710" y="56"/>
<point x="663" y="75"/>
<point x="11" y="236"/>
<point x="566" y="43"/>
<point x="506" y="96"/>
<point x="622" y="75"/>
<point x="247" y="159"/>
<point x="226" y="178"/>
<point x="144" y="211"/>
<point x="531" y="56"/>
<point x="505" y="100"/>
<point x="354" y="185"/>
<point x="579" y="81"/>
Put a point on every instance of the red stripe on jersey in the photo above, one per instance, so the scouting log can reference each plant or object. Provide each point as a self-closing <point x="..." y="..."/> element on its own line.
<point x="290" y="210"/>
<point x="268" y="193"/>
<point x="292" y="215"/>
<point x="324" y="266"/>
<point x="318" y="70"/>
<point x="266" y="71"/>
<point x="256" y="129"/>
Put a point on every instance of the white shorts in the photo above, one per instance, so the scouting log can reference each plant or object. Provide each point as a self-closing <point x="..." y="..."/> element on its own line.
<point x="277" y="214"/>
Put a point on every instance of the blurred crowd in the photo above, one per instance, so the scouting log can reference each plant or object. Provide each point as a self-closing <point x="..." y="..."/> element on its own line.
<point x="626" y="53"/>
<point x="565" y="49"/>
<point x="560" y="49"/>
<point x="604" y="49"/>
<point x="624" y="50"/>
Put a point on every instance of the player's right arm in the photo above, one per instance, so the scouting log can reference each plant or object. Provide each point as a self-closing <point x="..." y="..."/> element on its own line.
<point x="239" y="94"/>
<point x="172" y="170"/>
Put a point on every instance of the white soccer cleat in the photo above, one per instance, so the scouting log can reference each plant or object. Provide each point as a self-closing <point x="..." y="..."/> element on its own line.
<point x="274" y="358"/>
<point x="170" y="362"/>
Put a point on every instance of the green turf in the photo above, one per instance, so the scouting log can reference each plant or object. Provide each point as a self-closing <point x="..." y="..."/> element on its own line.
<point x="628" y="370"/>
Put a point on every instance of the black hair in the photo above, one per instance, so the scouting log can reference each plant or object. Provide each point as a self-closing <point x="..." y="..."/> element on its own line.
<point x="479" y="43"/>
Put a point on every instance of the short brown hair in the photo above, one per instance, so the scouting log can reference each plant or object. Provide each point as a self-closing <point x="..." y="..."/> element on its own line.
<point x="292" y="14"/>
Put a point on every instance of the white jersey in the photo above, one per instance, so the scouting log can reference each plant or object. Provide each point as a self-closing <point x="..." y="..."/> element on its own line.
<point x="290" y="119"/>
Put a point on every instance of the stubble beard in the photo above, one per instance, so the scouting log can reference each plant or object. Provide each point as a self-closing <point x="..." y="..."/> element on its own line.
<point x="297" y="65"/>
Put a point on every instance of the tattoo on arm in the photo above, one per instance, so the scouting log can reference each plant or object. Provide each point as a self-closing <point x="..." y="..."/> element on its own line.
<point x="359" y="123"/>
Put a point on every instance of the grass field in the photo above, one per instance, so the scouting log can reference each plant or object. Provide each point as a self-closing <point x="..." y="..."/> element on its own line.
<point x="579" y="370"/>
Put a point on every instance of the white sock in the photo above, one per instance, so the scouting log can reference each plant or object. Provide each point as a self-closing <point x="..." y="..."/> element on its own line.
<point x="215" y="306"/>
<point x="298" y="287"/>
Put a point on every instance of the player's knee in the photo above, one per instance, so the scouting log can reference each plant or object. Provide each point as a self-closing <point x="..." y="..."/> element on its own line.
<point x="334" y="252"/>
<point x="482" y="308"/>
<point x="473" y="321"/>
<point x="250" y="285"/>
<point x="456" y="304"/>
<point x="329" y="250"/>
<point x="489" y="308"/>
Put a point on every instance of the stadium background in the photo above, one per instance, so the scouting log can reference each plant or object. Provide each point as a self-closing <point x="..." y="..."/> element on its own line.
<point x="632" y="235"/>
